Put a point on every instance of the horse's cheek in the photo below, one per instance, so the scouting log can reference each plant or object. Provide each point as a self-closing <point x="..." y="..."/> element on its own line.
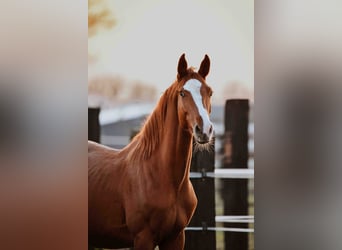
<point x="183" y="120"/>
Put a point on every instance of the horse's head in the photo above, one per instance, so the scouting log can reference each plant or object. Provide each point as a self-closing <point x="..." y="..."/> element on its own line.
<point x="194" y="104"/>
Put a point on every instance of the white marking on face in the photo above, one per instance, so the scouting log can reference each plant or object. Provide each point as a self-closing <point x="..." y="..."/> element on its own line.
<point x="194" y="87"/>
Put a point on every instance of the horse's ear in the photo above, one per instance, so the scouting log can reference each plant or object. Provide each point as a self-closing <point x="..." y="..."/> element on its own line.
<point x="182" y="67"/>
<point x="205" y="66"/>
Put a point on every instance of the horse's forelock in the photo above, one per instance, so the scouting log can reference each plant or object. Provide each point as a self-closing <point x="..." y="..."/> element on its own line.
<point x="192" y="74"/>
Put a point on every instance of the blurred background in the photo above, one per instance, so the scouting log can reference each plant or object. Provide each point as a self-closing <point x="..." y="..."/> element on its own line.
<point x="298" y="80"/>
<point x="133" y="48"/>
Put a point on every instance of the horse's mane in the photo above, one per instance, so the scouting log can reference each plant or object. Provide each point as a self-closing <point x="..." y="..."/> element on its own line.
<point x="148" y="139"/>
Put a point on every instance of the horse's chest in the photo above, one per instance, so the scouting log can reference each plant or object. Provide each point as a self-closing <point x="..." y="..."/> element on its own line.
<point x="169" y="221"/>
<point x="177" y="215"/>
<point x="163" y="214"/>
<point x="185" y="207"/>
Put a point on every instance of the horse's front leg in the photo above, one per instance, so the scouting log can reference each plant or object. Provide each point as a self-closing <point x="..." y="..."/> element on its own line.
<point x="144" y="240"/>
<point x="176" y="243"/>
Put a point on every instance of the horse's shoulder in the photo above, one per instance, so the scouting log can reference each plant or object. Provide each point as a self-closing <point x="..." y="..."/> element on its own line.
<point x="187" y="197"/>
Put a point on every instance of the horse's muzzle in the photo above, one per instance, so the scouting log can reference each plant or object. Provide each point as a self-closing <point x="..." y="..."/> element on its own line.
<point x="203" y="137"/>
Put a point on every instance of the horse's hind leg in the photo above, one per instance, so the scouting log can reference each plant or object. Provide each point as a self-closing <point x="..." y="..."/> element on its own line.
<point x="144" y="241"/>
<point x="176" y="243"/>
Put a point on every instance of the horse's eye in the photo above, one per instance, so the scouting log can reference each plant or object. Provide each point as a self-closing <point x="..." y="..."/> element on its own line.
<point x="181" y="93"/>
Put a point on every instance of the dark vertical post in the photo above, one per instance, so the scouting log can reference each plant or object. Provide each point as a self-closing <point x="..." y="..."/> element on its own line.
<point x="203" y="161"/>
<point x="235" y="191"/>
<point x="93" y="135"/>
<point x="93" y="124"/>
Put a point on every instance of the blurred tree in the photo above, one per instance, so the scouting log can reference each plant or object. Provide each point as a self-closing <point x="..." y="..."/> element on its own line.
<point x="99" y="16"/>
<point x="143" y="92"/>
<point x="107" y="86"/>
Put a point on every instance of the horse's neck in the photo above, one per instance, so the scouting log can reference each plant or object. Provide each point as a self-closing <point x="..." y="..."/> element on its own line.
<point x="163" y="140"/>
<point x="175" y="148"/>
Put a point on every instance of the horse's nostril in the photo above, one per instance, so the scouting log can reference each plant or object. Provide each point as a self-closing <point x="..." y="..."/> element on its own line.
<point x="211" y="129"/>
<point x="197" y="129"/>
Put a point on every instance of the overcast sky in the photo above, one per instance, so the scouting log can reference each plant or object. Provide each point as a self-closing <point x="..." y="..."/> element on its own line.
<point x="150" y="36"/>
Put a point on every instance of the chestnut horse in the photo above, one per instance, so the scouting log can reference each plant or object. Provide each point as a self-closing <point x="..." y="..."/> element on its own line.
<point x="142" y="196"/>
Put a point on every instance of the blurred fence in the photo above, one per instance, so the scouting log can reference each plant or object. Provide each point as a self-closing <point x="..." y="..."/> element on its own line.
<point x="234" y="176"/>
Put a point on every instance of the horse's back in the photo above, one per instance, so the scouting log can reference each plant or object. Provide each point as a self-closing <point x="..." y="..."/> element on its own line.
<point x="103" y="165"/>
<point x="100" y="155"/>
<point x="96" y="147"/>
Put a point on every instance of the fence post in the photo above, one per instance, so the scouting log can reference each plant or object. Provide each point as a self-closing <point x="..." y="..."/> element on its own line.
<point x="93" y="135"/>
<point x="203" y="161"/>
<point x="235" y="191"/>
<point x="93" y="124"/>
